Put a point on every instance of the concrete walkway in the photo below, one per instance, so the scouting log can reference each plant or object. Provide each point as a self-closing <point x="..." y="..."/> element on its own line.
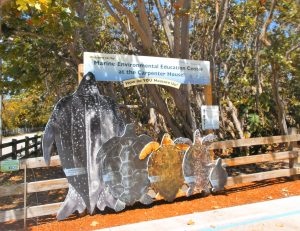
<point x="281" y="214"/>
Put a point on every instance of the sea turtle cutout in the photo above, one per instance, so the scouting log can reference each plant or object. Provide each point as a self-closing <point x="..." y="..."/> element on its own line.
<point x="218" y="176"/>
<point x="79" y="125"/>
<point x="165" y="167"/>
<point x="196" y="162"/>
<point x="123" y="173"/>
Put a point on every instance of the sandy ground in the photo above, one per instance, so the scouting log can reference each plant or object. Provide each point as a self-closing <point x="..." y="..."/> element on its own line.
<point x="233" y="196"/>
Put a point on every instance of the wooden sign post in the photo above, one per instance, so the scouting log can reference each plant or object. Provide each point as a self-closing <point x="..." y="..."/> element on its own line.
<point x="80" y="72"/>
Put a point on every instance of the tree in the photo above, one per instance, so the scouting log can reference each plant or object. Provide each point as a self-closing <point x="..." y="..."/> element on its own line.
<point x="253" y="47"/>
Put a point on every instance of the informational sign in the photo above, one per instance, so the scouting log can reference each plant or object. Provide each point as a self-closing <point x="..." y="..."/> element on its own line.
<point x="9" y="165"/>
<point x="210" y="117"/>
<point x="134" y="70"/>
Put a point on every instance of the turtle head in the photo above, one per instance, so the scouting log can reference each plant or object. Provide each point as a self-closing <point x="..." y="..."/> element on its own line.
<point x="197" y="137"/>
<point x="166" y="140"/>
<point x="88" y="85"/>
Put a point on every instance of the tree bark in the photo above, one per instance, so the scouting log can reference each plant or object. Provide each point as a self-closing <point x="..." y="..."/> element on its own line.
<point x="278" y="101"/>
<point x="234" y="115"/>
<point x="263" y="36"/>
<point x="165" y="24"/>
<point x="221" y="13"/>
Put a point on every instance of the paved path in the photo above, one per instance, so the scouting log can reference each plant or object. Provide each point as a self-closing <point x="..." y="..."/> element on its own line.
<point x="18" y="137"/>
<point x="281" y="214"/>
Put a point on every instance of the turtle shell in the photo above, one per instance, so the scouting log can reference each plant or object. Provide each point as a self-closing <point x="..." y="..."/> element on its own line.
<point x="196" y="164"/>
<point x="195" y="168"/>
<point x="165" y="171"/>
<point x="123" y="172"/>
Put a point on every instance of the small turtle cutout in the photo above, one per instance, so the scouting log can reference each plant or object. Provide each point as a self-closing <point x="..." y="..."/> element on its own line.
<point x="218" y="176"/>
<point x="165" y="167"/>
<point x="124" y="174"/>
<point x="196" y="162"/>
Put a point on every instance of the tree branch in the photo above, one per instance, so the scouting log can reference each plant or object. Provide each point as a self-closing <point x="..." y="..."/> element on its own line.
<point x="163" y="109"/>
<point x="263" y="35"/>
<point x="126" y="30"/>
<point x="185" y="29"/>
<point x="147" y="43"/>
<point x="144" y="19"/>
<point x="177" y="26"/>
<point x="221" y="25"/>
<point x="165" y="24"/>
<point x="293" y="48"/>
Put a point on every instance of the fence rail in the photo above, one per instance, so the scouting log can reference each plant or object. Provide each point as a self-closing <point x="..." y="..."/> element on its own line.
<point x="19" y="131"/>
<point x="29" y="144"/>
<point x="293" y="156"/>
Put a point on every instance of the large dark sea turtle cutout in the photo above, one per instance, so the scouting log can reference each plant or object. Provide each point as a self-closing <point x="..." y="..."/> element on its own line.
<point x="165" y="167"/>
<point x="196" y="164"/>
<point x="123" y="173"/>
<point x="218" y="175"/>
<point x="78" y="126"/>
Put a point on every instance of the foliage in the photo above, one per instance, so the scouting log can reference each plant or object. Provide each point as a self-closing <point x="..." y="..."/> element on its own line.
<point x="27" y="109"/>
<point x="253" y="47"/>
<point x="37" y="4"/>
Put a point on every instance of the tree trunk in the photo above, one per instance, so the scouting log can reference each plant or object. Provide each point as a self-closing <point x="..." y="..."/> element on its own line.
<point x="183" y="122"/>
<point x="234" y="115"/>
<point x="257" y="73"/>
<point x="278" y="101"/>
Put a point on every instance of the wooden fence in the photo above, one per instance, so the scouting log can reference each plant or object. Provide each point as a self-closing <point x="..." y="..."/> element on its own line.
<point x="30" y="146"/>
<point x="292" y="155"/>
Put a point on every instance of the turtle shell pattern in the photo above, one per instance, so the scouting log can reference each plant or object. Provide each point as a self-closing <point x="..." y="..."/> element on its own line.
<point x="196" y="163"/>
<point x="165" y="171"/>
<point x="124" y="174"/>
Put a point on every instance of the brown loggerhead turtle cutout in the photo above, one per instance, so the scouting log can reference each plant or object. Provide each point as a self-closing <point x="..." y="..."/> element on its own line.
<point x="165" y="167"/>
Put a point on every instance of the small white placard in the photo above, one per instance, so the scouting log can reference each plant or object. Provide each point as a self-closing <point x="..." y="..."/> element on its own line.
<point x="74" y="171"/>
<point x="210" y="117"/>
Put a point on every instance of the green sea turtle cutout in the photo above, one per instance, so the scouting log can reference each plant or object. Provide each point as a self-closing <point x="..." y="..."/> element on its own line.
<point x="123" y="173"/>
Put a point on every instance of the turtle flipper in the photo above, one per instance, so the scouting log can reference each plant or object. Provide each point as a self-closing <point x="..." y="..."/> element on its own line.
<point x="208" y="139"/>
<point x="149" y="148"/>
<point x="101" y="201"/>
<point x="48" y="141"/>
<point x="72" y="203"/>
<point x="182" y="147"/>
<point x="146" y="199"/>
<point x="183" y="140"/>
<point x="190" y="190"/>
<point x="218" y="176"/>
<point x="119" y="206"/>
